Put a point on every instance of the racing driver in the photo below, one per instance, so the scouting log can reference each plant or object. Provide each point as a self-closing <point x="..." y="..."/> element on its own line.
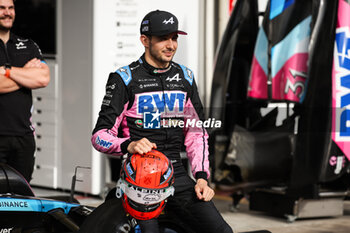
<point x="148" y="105"/>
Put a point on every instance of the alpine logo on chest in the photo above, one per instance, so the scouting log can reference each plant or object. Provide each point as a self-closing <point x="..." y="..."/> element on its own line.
<point x="176" y="78"/>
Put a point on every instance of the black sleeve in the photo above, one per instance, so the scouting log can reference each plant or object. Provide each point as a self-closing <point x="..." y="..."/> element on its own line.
<point x="36" y="51"/>
<point x="113" y="103"/>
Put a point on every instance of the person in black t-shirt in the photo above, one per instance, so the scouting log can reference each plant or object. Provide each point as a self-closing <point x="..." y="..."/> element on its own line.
<point x="22" y="69"/>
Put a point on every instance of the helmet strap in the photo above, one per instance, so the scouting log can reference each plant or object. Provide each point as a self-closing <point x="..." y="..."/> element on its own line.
<point x="119" y="190"/>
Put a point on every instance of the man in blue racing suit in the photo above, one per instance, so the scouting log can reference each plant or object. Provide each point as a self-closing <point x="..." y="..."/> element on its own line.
<point x="154" y="103"/>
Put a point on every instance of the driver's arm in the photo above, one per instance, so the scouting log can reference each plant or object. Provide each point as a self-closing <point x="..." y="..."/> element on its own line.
<point x="196" y="142"/>
<point x="105" y="136"/>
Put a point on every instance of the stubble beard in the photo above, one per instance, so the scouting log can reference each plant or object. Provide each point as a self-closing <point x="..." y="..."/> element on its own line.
<point x="6" y="28"/>
<point x="158" y="56"/>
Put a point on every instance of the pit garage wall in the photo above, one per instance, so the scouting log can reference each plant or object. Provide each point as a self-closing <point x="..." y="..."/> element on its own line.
<point x="63" y="110"/>
<point x="75" y="52"/>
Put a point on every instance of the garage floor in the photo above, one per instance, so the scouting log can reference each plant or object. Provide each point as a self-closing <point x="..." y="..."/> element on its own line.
<point x="247" y="220"/>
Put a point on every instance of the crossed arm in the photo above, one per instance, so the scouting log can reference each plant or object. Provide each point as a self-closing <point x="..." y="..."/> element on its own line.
<point x="34" y="74"/>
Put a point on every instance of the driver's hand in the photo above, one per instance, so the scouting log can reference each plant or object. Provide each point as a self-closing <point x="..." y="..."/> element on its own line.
<point x="141" y="146"/>
<point x="203" y="191"/>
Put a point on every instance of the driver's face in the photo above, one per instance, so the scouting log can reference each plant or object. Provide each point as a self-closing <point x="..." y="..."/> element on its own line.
<point x="163" y="48"/>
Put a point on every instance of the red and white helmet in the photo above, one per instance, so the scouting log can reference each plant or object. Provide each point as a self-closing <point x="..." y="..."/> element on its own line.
<point x="145" y="183"/>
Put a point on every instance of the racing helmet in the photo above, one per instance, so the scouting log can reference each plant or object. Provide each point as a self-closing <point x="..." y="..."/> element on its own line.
<point x="145" y="184"/>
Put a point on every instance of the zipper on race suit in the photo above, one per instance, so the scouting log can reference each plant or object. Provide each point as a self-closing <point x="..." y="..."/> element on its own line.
<point x="162" y="84"/>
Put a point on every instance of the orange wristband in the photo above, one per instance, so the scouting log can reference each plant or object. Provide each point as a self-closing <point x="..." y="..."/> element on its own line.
<point x="7" y="73"/>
